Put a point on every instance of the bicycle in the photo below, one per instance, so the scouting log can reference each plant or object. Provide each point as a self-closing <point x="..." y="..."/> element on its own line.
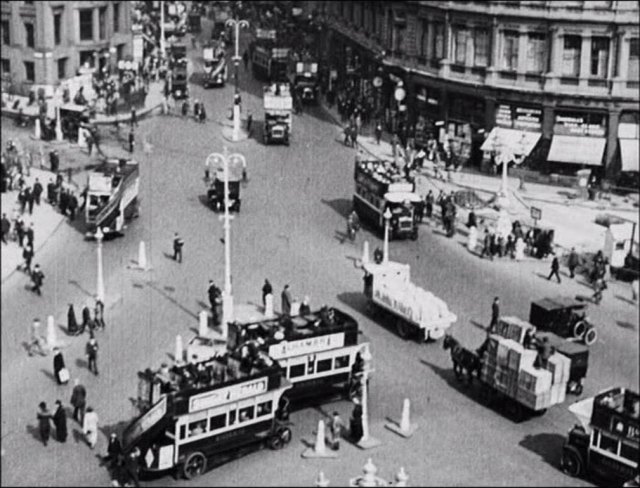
<point x="39" y="343"/>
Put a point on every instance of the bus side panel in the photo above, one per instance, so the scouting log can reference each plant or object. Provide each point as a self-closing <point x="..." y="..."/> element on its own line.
<point x="226" y="441"/>
<point x="366" y="212"/>
<point x="610" y="469"/>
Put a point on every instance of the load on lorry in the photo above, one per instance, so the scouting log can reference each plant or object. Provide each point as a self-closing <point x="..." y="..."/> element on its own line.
<point x="418" y="312"/>
<point x="269" y="62"/>
<point x="278" y="104"/>
<point x="112" y="195"/>
<point x="380" y="185"/>
<point x="215" y="66"/>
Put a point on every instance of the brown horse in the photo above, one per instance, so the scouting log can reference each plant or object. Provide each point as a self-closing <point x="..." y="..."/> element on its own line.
<point x="463" y="359"/>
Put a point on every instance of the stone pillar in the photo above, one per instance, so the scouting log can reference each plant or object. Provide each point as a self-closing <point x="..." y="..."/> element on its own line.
<point x="547" y="120"/>
<point x="585" y="59"/>
<point x="619" y="81"/>
<point x="522" y="52"/>
<point x="489" y="113"/>
<point x="495" y="53"/>
<point x="96" y="24"/>
<point x="612" y="142"/>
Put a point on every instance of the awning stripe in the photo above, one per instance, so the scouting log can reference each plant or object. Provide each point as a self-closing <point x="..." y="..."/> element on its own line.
<point x="577" y="150"/>
<point x="629" y="149"/>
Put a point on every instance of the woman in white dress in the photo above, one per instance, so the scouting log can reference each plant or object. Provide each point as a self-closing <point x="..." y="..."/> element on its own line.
<point x="473" y="238"/>
<point x="90" y="427"/>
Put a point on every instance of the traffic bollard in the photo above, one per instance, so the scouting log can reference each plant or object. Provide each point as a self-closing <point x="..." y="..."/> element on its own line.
<point x="142" y="256"/>
<point x="179" y="350"/>
<point x="402" y="477"/>
<point x="204" y="323"/>
<point x="319" y="450"/>
<point x="51" y="332"/>
<point x="322" y="481"/>
<point x="404" y="427"/>
<point x="365" y="252"/>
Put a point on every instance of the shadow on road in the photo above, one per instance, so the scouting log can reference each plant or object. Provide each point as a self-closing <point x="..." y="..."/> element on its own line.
<point x="79" y="287"/>
<point x="342" y="206"/>
<point x="81" y="363"/>
<point x="626" y="300"/>
<point x="155" y="287"/>
<point x="356" y="300"/>
<point x="625" y="325"/>
<point x="547" y="446"/>
<point x="478" y="325"/>
<point x="48" y="374"/>
<point x="35" y="432"/>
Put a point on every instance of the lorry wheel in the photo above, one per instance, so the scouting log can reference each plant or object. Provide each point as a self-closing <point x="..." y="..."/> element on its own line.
<point x="414" y="235"/>
<point x="590" y="336"/>
<point x="571" y="461"/>
<point x="195" y="465"/>
<point x="579" y="329"/>
<point x="404" y="330"/>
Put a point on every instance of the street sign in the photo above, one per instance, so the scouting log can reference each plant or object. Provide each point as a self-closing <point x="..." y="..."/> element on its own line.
<point x="399" y="94"/>
<point x="536" y="213"/>
<point x="377" y="82"/>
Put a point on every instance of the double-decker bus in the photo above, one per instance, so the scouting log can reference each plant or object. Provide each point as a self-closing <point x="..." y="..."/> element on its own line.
<point x="202" y="413"/>
<point x="319" y="351"/>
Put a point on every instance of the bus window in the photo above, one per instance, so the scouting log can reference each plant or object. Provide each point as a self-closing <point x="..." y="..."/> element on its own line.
<point x="595" y="439"/>
<point x="297" y="370"/>
<point x="232" y="417"/>
<point x="629" y="451"/>
<point x="609" y="443"/>
<point x="341" y="362"/>
<point x="217" y="422"/>
<point x="197" y="428"/>
<point x="183" y="431"/>
<point x="264" y="408"/>
<point x="323" y="365"/>
<point x="246" y="413"/>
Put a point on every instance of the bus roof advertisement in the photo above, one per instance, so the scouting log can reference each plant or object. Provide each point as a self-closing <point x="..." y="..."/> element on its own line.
<point x="228" y="394"/>
<point x="400" y="187"/>
<point x="306" y="346"/>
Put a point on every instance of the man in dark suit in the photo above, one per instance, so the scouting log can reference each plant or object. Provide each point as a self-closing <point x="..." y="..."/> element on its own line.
<point x="60" y="421"/>
<point x="495" y="313"/>
<point x="266" y="290"/>
<point x="286" y="300"/>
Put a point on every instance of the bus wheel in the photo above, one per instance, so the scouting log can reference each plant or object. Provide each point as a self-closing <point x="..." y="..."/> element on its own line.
<point x="403" y="328"/>
<point x="194" y="466"/>
<point x="285" y="435"/>
<point x="278" y="440"/>
<point x="571" y="461"/>
<point x="590" y="336"/>
<point x="579" y="329"/>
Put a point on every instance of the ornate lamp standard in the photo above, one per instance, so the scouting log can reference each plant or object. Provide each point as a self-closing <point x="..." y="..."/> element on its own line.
<point x="387" y="218"/>
<point x="100" y="274"/>
<point x="237" y="24"/>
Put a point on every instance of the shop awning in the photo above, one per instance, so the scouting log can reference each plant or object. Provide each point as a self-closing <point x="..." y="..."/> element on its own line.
<point x="517" y="142"/>
<point x="629" y="149"/>
<point x="577" y="150"/>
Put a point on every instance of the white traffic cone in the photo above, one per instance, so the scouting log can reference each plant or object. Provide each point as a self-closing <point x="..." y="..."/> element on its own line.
<point x="142" y="257"/>
<point x="51" y="332"/>
<point x="404" y="428"/>
<point x="365" y="253"/>
<point x="319" y="450"/>
<point x="402" y="477"/>
<point x="82" y="140"/>
<point x="179" y="350"/>
<point x="322" y="481"/>
<point x="203" y="325"/>
<point x="37" y="132"/>
<point x="268" y="305"/>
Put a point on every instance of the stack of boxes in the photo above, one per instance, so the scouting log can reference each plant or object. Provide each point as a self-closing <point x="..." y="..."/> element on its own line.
<point x="508" y="367"/>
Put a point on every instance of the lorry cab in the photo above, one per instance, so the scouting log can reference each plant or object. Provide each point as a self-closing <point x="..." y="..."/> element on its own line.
<point x="402" y="208"/>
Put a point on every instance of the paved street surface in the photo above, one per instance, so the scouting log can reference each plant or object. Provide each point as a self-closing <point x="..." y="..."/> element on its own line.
<point x="289" y="230"/>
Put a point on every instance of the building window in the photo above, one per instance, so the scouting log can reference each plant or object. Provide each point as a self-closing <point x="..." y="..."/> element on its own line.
<point x="102" y="22"/>
<point x="57" y="28"/>
<point x="460" y="35"/>
<point x="6" y="67"/>
<point x="30" y="71"/>
<point x="62" y="68"/>
<point x="510" y="50"/>
<point x="632" y="73"/>
<point x="116" y="17"/>
<point x="6" y="33"/>
<point x="536" y="52"/>
<point x="599" y="56"/>
<point x="29" y="34"/>
<point x="437" y="40"/>
<point x="571" y="55"/>
<point x="424" y="32"/>
<point x="481" y="47"/>
<point x="87" y="57"/>
<point x="86" y="24"/>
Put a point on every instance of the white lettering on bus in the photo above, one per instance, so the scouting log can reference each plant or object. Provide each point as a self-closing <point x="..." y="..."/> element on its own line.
<point x="306" y="346"/>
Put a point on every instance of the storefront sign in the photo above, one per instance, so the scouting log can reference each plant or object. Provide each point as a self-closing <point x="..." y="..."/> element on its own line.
<point x="306" y="346"/>
<point x="228" y="394"/>
<point x="577" y="124"/>
<point x="513" y="117"/>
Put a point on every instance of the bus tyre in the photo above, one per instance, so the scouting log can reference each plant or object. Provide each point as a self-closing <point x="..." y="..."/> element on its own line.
<point x="590" y="336"/>
<point x="280" y="439"/>
<point x="404" y="330"/>
<point x="579" y="329"/>
<point x="194" y="466"/>
<point x="571" y="461"/>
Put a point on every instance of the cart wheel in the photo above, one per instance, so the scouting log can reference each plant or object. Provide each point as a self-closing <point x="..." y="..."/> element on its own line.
<point x="279" y="439"/>
<point x="579" y="329"/>
<point x="403" y="328"/>
<point x="590" y="336"/>
<point x="571" y="461"/>
<point x="194" y="466"/>
<point x="578" y="389"/>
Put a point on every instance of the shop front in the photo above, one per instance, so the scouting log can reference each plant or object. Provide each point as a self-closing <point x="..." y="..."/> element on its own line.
<point x="579" y="140"/>
<point x="463" y="129"/>
<point x="425" y="114"/>
<point x="629" y="142"/>
<point x="517" y="132"/>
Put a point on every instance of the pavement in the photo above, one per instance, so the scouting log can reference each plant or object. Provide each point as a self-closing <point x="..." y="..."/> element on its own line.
<point x="290" y="230"/>
<point x="573" y="218"/>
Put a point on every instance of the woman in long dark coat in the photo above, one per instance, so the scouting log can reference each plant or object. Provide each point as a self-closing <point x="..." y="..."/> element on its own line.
<point x="58" y="364"/>
<point x="60" y="421"/>
<point x="44" y="423"/>
<point x="72" y="322"/>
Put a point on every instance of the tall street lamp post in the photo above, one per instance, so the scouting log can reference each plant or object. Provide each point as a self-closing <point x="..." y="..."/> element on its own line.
<point x="100" y="274"/>
<point x="387" y="218"/>
<point x="237" y="24"/>
<point x="366" y="441"/>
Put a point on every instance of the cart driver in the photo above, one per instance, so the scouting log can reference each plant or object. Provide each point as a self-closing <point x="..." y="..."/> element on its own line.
<point x="530" y="340"/>
<point x="545" y="351"/>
